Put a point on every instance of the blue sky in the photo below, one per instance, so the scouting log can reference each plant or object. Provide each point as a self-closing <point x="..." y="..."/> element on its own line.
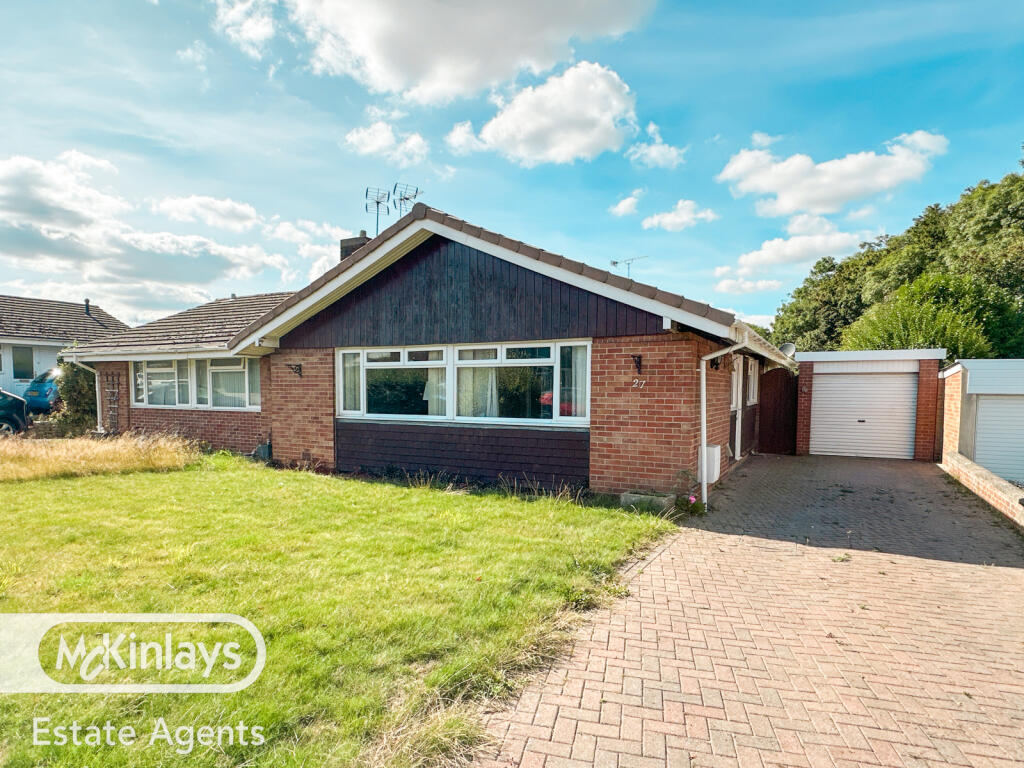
<point x="159" y="154"/>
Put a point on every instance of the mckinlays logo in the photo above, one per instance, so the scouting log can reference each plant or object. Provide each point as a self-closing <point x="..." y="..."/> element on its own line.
<point x="148" y="653"/>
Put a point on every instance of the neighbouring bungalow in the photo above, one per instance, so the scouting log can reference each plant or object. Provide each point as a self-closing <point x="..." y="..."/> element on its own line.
<point x="443" y="347"/>
<point x="33" y="332"/>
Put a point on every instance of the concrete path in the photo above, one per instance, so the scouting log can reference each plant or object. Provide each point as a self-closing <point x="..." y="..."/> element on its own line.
<point x="829" y="612"/>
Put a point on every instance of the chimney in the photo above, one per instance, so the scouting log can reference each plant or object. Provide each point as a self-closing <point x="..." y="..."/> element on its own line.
<point x="87" y="307"/>
<point x="351" y="244"/>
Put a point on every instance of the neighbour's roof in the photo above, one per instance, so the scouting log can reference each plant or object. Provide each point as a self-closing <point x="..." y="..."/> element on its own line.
<point x="421" y="211"/>
<point x="992" y="377"/>
<point x="59" y="321"/>
<point x="208" y="326"/>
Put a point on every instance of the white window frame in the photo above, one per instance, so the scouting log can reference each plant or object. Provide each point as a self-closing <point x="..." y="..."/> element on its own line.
<point x="241" y="364"/>
<point x="451" y="364"/>
<point x="753" y="391"/>
<point x="736" y="383"/>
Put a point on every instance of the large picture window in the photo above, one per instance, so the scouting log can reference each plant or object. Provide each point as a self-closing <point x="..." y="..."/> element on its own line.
<point x="229" y="383"/>
<point x="534" y="382"/>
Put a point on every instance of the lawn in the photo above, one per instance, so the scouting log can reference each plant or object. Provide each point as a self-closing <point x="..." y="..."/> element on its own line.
<point x="387" y="610"/>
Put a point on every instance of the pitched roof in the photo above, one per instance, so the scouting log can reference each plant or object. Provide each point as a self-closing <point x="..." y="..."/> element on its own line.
<point x="206" y="327"/>
<point x="62" y="321"/>
<point x="421" y="211"/>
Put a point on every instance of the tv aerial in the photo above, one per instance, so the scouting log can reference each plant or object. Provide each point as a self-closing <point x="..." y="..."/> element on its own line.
<point x="403" y="196"/>
<point x="377" y="200"/>
<point x="628" y="262"/>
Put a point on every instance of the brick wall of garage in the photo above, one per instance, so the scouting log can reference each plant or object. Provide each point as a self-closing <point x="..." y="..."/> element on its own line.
<point x="300" y="409"/>
<point x="804" y="391"/>
<point x="952" y="394"/>
<point x="238" y="431"/>
<point x="646" y="438"/>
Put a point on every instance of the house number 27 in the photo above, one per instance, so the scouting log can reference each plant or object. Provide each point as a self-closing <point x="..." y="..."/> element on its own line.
<point x="639" y="383"/>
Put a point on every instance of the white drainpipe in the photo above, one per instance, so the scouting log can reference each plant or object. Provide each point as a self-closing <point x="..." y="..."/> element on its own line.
<point x="96" y="378"/>
<point x="702" y="459"/>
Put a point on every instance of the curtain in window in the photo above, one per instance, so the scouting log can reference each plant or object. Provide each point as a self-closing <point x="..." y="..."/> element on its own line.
<point x="433" y="392"/>
<point x="478" y="392"/>
<point x="573" y="381"/>
<point x="350" y="381"/>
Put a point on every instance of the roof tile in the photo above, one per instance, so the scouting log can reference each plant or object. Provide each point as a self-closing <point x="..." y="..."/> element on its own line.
<point x="64" y="321"/>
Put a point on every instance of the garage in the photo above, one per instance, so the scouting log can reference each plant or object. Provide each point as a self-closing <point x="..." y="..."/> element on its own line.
<point x="867" y="403"/>
<point x="988" y="398"/>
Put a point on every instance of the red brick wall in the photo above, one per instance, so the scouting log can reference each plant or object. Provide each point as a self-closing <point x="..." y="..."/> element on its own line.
<point x="805" y="388"/>
<point x="641" y="438"/>
<point x="234" y="430"/>
<point x="300" y="409"/>
<point x="238" y="431"/>
<point x="952" y="393"/>
<point x="927" y="405"/>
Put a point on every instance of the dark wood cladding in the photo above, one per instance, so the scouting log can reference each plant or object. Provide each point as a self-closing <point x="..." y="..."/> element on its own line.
<point x="444" y="292"/>
<point x="549" y="457"/>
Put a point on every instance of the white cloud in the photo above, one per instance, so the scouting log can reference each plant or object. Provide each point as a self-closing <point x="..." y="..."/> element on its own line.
<point x="576" y="115"/>
<point x="379" y="139"/>
<point x="304" y="232"/>
<point x="249" y="24"/>
<point x="811" y="238"/>
<point x="196" y="54"/>
<point x="723" y="270"/>
<point x="858" y="214"/>
<point x="627" y="205"/>
<point x="462" y="140"/>
<point x="655" y="153"/>
<point x="742" y="285"/>
<point x="686" y="213"/>
<point x="761" y="139"/>
<point x="797" y="183"/>
<point x="765" y="321"/>
<point x="222" y="213"/>
<point x="434" y="52"/>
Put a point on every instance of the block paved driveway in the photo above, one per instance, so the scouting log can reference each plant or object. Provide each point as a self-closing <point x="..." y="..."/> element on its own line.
<point x="830" y="611"/>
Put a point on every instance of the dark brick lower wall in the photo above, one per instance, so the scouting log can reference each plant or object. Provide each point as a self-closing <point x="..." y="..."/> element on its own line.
<point x="238" y="431"/>
<point x="550" y="457"/>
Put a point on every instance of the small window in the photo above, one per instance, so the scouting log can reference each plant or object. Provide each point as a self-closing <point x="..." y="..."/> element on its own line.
<point x="405" y="391"/>
<point x="752" y="375"/>
<point x="138" y="383"/>
<point x="226" y="362"/>
<point x="390" y="356"/>
<point x="22" y="360"/>
<point x="253" y="369"/>
<point x="202" y="383"/>
<point x="737" y="383"/>
<point x="350" y="385"/>
<point x="183" y="388"/>
<point x="572" y="376"/>
<point x="528" y="353"/>
<point x="228" y="388"/>
<point x="488" y="353"/>
<point x="425" y="355"/>
<point x="161" y="386"/>
<point x="509" y="392"/>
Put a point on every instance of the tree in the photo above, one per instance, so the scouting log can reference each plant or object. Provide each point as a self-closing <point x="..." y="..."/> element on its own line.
<point x="77" y="387"/>
<point x="901" y="323"/>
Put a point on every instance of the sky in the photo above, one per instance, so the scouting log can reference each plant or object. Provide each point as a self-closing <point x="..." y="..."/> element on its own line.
<point x="157" y="154"/>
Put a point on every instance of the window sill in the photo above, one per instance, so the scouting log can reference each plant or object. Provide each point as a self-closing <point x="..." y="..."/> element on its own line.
<point x="200" y="408"/>
<point x="471" y="423"/>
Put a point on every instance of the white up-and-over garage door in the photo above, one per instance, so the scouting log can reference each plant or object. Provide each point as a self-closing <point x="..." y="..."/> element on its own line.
<point x="998" y="445"/>
<point x="858" y="410"/>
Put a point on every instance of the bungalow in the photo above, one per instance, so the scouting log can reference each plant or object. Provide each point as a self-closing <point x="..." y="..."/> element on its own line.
<point x="441" y="346"/>
<point x="33" y="331"/>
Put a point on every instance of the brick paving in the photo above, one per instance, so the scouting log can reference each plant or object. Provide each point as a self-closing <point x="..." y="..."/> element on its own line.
<point x="829" y="612"/>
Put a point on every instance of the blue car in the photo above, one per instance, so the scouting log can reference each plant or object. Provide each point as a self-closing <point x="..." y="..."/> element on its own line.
<point x="42" y="393"/>
<point x="13" y="414"/>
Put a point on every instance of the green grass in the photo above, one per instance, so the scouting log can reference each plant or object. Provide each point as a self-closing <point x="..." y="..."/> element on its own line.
<point x="387" y="610"/>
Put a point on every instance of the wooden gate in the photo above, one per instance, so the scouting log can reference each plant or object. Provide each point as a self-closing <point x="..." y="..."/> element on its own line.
<point x="778" y="412"/>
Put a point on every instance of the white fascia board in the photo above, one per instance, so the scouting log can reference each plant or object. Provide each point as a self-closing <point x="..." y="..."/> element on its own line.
<point x="951" y="370"/>
<point x="741" y="332"/>
<point x="121" y="357"/>
<point x="27" y="342"/>
<point x="872" y="354"/>
<point x="397" y="246"/>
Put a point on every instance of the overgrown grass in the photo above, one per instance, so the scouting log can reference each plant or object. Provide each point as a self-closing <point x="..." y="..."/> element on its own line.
<point x="387" y="610"/>
<point x="22" y="459"/>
